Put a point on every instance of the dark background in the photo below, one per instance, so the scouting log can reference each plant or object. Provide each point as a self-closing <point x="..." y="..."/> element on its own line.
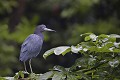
<point x="70" y="18"/>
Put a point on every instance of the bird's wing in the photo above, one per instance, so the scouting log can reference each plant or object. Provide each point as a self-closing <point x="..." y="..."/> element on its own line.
<point x="31" y="47"/>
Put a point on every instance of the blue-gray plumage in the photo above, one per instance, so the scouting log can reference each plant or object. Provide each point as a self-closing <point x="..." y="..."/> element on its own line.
<point x="32" y="45"/>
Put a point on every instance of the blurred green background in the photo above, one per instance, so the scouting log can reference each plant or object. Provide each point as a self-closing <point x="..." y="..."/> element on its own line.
<point x="70" y="18"/>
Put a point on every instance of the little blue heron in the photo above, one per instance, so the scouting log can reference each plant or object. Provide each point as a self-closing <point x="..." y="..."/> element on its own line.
<point x="32" y="45"/>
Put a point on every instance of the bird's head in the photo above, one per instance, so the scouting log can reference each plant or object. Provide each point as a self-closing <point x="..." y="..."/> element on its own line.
<point x="42" y="28"/>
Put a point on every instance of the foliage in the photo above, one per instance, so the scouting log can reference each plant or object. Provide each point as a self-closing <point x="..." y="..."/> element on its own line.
<point x="6" y="6"/>
<point x="99" y="60"/>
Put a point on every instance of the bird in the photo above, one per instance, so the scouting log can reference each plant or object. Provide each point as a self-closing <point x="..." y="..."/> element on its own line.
<point x="32" y="45"/>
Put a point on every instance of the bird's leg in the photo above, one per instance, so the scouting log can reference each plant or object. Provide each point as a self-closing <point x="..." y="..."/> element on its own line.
<point x="25" y="67"/>
<point x="30" y="66"/>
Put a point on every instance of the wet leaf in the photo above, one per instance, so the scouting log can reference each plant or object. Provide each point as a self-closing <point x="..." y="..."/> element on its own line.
<point x="48" y="53"/>
<point x="61" y="50"/>
<point x="46" y="75"/>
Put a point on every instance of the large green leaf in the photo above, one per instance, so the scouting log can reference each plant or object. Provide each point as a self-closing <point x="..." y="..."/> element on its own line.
<point x="48" y="53"/>
<point x="6" y="78"/>
<point x="71" y="77"/>
<point x="86" y="34"/>
<point x="46" y="75"/>
<point x="59" y="68"/>
<point x="59" y="76"/>
<point x="102" y="36"/>
<point x="61" y="50"/>
<point x="87" y="38"/>
<point x="75" y="49"/>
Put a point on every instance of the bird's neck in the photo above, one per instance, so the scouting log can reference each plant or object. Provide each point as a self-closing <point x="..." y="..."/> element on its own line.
<point x="39" y="34"/>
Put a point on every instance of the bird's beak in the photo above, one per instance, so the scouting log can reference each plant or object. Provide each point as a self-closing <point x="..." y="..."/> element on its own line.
<point x="46" y="29"/>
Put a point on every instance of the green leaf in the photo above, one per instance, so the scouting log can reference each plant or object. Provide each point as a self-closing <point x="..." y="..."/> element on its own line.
<point x="71" y="77"/>
<point x="66" y="51"/>
<point x="80" y="63"/>
<point x="61" y="50"/>
<point x="59" y="68"/>
<point x="76" y="49"/>
<point x="88" y="72"/>
<point x="116" y="50"/>
<point x="16" y="76"/>
<point x="88" y="44"/>
<point x="2" y="78"/>
<point x="86" y="34"/>
<point x="34" y="76"/>
<point x="103" y="49"/>
<point x="87" y="38"/>
<point x="115" y="35"/>
<point x="58" y="76"/>
<point x="21" y="74"/>
<point x="46" y="75"/>
<point x="93" y="37"/>
<point x="93" y="48"/>
<point x="84" y="76"/>
<point x="114" y="63"/>
<point x="48" y="53"/>
<point x="109" y="45"/>
<point x="102" y="36"/>
<point x="112" y="39"/>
